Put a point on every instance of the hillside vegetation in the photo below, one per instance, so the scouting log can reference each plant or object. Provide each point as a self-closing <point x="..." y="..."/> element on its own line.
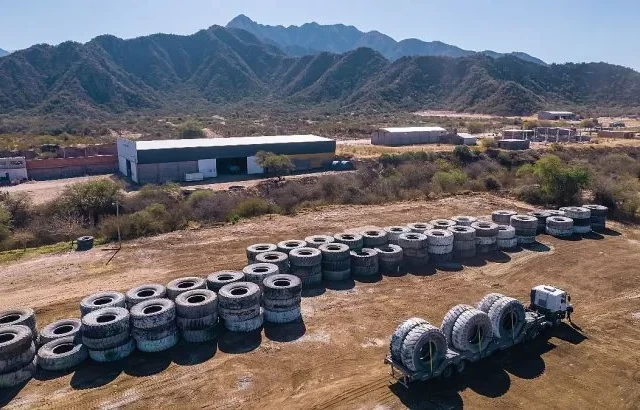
<point x="221" y="67"/>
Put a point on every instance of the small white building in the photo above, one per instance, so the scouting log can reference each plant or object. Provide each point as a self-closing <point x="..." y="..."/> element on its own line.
<point x="408" y="136"/>
<point x="556" y="115"/>
<point x="13" y="169"/>
<point x="466" y="139"/>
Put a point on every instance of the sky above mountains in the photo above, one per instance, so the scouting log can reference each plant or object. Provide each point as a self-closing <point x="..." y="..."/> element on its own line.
<point x="554" y="30"/>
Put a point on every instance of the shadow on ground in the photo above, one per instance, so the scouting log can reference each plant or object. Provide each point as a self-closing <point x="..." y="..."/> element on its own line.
<point x="285" y="332"/>
<point x="7" y="395"/>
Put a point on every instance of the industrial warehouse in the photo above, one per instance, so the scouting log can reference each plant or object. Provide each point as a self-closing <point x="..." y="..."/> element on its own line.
<point x="197" y="159"/>
<point x="408" y="136"/>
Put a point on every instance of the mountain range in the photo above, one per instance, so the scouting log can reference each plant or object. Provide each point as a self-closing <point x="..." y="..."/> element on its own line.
<point x="3" y="52"/>
<point x="313" y="38"/>
<point x="230" y="68"/>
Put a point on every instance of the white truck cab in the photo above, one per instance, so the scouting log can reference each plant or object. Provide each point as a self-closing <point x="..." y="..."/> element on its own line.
<point x="551" y="301"/>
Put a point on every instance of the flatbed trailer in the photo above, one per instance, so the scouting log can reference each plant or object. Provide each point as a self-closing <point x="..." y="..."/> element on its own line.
<point x="535" y="322"/>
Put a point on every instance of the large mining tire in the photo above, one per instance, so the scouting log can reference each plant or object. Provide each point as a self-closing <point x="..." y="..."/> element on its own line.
<point x="105" y="343"/>
<point x="561" y="223"/>
<point x="450" y="319"/>
<point x="389" y="253"/>
<point x="290" y="244"/>
<point x="374" y="238"/>
<point x="305" y="257"/>
<point x="18" y="360"/>
<point x="507" y="318"/>
<point x="395" y="346"/>
<point x="555" y="212"/>
<point x="102" y="300"/>
<point x="145" y="292"/>
<point x="217" y="280"/>
<point x="393" y="232"/>
<point x="280" y="305"/>
<point x="282" y="287"/>
<point x="248" y="325"/>
<point x="19" y="317"/>
<point x="336" y="266"/>
<point x="419" y="227"/>
<point x="239" y="315"/>
<point x="442" y="223"/>
<point x="336" y="276"/>
<point x="19" y="376"/>
<point x="197" y="323"/>
<point x="59" y="329"/>
<point x="464" y="220"/>
<point x="239" y="295"/>
<point x="413" y="240"/>
<point x="472" y="331"/>
<point x="153" y="313"/>
<point x="463" y="233"/>
<point x="197" y="303"/>
<point x="439" y="237"/>
<point x="315" y="241"/>
<point x="159" y="345"/>
<point x="334" y="252"/>
<point x="254" y="250"/>
<point x="286" y="316"/>
<point x="181" y="285"/>
<point x="62" y="354"/>
<point x="199" y="336"/>
<point x="353" y="240"/>
<point x="597" y="210"/>
<point x="502" y="217"/>
<point x="115" y="353"/>
<point x="258" y="272"/>
<point x="506" y="232"/>
<point x="424" y="348"/>
<point x="576" y="212"/>
<point x="487" y="301"/>
<point x="485" y="229"/>
<point x="105" y="322"/>
<point x="364" y="258"/>
<point x="155" y="333"/>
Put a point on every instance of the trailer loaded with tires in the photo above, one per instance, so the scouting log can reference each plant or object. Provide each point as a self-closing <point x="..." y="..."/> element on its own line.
<point x="420" y="351"/>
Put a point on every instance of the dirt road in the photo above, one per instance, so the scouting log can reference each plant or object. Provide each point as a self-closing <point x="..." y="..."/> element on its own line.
<point x="334" y="358"/>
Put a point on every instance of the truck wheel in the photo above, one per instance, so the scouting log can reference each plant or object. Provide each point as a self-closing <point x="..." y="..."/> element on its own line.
<point x="461" y="366"/>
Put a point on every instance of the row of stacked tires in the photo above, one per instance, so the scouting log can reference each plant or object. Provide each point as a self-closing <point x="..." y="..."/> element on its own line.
<point x="149" y="318"/>
<point x="421" y="346"/>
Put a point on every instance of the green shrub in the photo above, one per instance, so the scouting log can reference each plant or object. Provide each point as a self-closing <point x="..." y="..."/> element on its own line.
<point x="5" y="224"/>
<point x="449" y="181"/>
<point x="464" y="153"/>
<point x="488" y="143"/>
<point x="621" y="196"/>
<point x="492" y="184"/>
<point x="252" y="207"/>
<point x="91" y="199"/>
<point x="560" y="184"/>
<point x="531" y="194"/>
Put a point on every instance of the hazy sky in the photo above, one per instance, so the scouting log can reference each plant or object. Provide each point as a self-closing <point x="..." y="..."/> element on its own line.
<point x="554" y="30"/>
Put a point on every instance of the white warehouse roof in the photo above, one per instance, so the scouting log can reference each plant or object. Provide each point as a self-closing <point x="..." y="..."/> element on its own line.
<point x="559" y="112"/>
<point x="225" y="142"/>
<point x="414" y="129"/>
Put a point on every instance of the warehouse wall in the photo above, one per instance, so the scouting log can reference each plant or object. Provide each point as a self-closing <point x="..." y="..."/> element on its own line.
<point x="312" y="161"/>
<point x="407" y="138"/>
<point x="56" y="168"/>
<point x="168" y="171"/>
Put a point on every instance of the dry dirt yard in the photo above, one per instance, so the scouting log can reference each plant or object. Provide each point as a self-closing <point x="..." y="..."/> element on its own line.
<point x="335" y="358"/>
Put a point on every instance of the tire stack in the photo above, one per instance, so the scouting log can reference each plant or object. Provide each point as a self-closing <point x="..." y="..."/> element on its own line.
<point x="282" y="297"/>
<point x="464" y="242"/>
<point x="181" y="285"/>
<point x="105" y="333"/>
<point x="419" y="227"/>
<point x="507" y="237"/>
<point x="239" y="306"/>
<point x="581" y="219"/>
<point x="486" y="236"/>
<point x="197" y="315"/>
<point x="542" y="220"/>
<point x="374" y="238"/>
<point x="389" y="259"/>
<point x="61" y="328"/>
<point x="526" y="227"/>
<point x="440" y="245"/>
<point x="290" y="244"/>
<point x="254" y="250"/>
<point x="315" y="241"/>
<point x="463" y="220"/>
<point x="306" y="263"/>
<point x="336" y="261"/>
<point x="394" y="232"/>
<point x="598" y="217"/>
<point x="258" y="272"/>
<point x="418" y="345"/>
<point x="354" y="241"/>
<point x="502" y="217"/>
<point x="280" y="259"/>
<point x="144" y="292"/>
<point x="560" y="226"/>
<point x="364" y="263"/>
<point x="443" y="224"/>
<point x="101" y="300"/>
<point x="20" y="317"/>
<point x="153" y="325"/>
<point x="217" y="280"/>
<point x="415" y="248"/>
<point x="17" y="355"/>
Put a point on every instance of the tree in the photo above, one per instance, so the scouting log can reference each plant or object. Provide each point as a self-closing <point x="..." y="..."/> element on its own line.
<point x="559" y="183"/>
<point x="5" y="224"/>
<point x="278" y="165"/>
<point x="190" y="130"/>
<point x="92" y="199"/>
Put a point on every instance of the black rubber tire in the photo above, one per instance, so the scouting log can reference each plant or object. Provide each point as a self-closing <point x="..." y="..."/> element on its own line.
<point x="18" y="360"/>
<point x="181" y="285"/>
<point x="506" y="232"/>
<point x="389" y="253"/>
<point x="335" y="266"/>
<point x="153" y="313"/>
<point x="198" y="323"/>
<point x="365" y="271"/>
<point x="105" y="322"/>
<point x="157" y="333"/>
<point x="196" y="303"/>
<point x="254" y="250"/>
<point x="524" y="222"/>
<point x="157" y="345"/>
<point x="331" y="276"/>
<point x="507" y="311"/>
<point x="19" y="317"/>
<point x="464" y="220"/>
<point x="287" y="316"/>
<point x="249" y="325"/>
<point x="315" y="241"/>
<point x="374" y="238"/>
<point x="61" y="329"/>
<point x="413" y="240"/>
<point x="217" y="280"/>
<point x="597" y="210"/>
<point x="364" y="258"/>
<point x="419" y="227"/>
<point x="115" y="353"/>
<point x="485" y="229"/>
<point x="503" y="217"/>
<point x="576" y="212"/>
<point x="353" y="240"/>
<point x="398" y="336"/>
<point x="282" y="287"/>
<point x="303" y="257"/>
<point x="239" y="315"/>
<point x="287" y="246"/>
<point x="101" y="300"/>
<point x="19" y="376"/>
<point x="199" y="336"/>
<point x="239" y="295"/>
<point x="418" y="337"/>
<point x="450" y="318"/>
<point x="443" y="224"/>
<point x="62" y="354"/>
<point x="14" y="339"/>
<point x="145" y="292"/>
<point x="334" y="252"/>
<point x="105" y="342"/>
<point x="464" y="328"/>
<point x="439" y="237"/>
<point x="463" y="233"/>
<point x="279" y="305"/>
<point x="393" y="232"/>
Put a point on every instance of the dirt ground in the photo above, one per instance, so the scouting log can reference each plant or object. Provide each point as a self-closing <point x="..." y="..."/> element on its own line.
<point x="334" y="358"/>
<point x="44" y="191"/>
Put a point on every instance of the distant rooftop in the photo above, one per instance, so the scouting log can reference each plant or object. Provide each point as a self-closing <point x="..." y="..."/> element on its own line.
<point x="517" y="130"/>
<point x="559" y="112"/>
<point x="225" y="142"/>
<point x="413" y="129"/>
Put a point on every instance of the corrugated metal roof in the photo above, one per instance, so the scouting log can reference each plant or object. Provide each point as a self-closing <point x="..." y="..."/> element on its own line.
<point x="225" y="142"/>
<point x="413" y="129"/>
<point x="465" y="135"/>
<point x="559" y="112"/>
